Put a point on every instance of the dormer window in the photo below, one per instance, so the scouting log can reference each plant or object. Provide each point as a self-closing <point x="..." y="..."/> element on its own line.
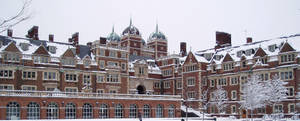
<point x="272" y="48"/>
<point x="287" y="58"/>
<point x="248" y="52"/>
<point x="213" y="68"/>
<point x="52" y="49"/>
<point x="207" y="56"/>
<point x="112" y="53"/>
<point x="86" y="63"/>
<point x="218" y="57"/>
<point x="239" y="53"/>
<point x="24" y="46"/>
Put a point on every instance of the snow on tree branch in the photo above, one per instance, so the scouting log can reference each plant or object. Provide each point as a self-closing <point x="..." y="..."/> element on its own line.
<point x="16" y="19"/>
<point x="219" y="99"/>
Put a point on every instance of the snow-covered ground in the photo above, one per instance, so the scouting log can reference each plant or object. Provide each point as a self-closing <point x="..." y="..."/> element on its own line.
<point x="160" y="119"/>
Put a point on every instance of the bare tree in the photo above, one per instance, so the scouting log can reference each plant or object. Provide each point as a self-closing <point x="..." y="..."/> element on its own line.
<point x="16" y="19"/>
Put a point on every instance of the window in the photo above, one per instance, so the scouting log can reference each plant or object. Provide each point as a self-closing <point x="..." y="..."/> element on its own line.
<point x="133" y="111"/>
<point x="159" y="111"/>
<point x="191" y="81"/>
<point x="141" y="70"/>
<point x="50" y="76"/>
<point x="263" y="77"/>
<point x="288" y="75"/>
<point x="287" y="58"/>
<point x="86" y="62"/>
<point x="244" y="64"/>
<point x="70" y="111"/>
<point x="29" y="75"/>
<point x="112" y="78"/>
<point x="52" y="49"/>
<point x="123" y="66"/>
<point x="12" y="111"/>
<point x="100" y="91"/>
<point x="52" y="111"/>
<point x="233" y="109"/>
<point x="11" y="57"/>
<point x="113" y="64"/>
<point x="179" y="85"/>
<point x="123" y="55"/>
<point x="28" y="87"/>
<point x="228" y="66"/>
<point x="71" y="89"/>
<point x="156" y="84"/>
<point x="119" y="111"/>
<point x="68" y="61"/>
<point x="278" y="108"/>
<point x="33" y="111"/>
<point x="147" y="111"/>
<point x="164" y="62"/>
<point x="212" y="83"/>
<point x="6" y="87"/>
<point x="290" y="91"/>
<point x="191" y="95"/>
<point x="102" y="64"/>
<point x="190" y="68"/>
<point x="204" y="82"/>
<point x="100" y="78"/>
<point x="213" y="68"/>
<point x="71" y="77"/>
<point x="103" y="111"/>
<point x="222" y="82"/>
<point x="212" y="109"/>
<point x="167" y="84"/>
<point x="168" y="72"/>
<point x="171" y="111"/>
<point x="87" y="79"/>
<point x="113" y="91"/>
<point x="87" y="111"/>
<point x="239" y="53"/>
<point x="249" y="52"/>
<point x="102" y="52"/>
<point x="261" y="110"/>
<point x="6" y="74"/>
<point x="112" y="53"/>
<point x="233" y="80"/>
<point x="40" y="59"/>
<point x="291" y="108"/>
<point x="233" y="95"/>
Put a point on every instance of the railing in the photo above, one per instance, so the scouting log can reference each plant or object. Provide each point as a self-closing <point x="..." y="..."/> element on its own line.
<point x="25" y="93"/>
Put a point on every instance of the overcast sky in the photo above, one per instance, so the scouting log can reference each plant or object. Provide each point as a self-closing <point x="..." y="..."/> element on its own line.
<point x="191" y="21"/>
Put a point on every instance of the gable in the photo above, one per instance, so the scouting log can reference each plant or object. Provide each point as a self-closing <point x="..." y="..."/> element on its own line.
<point x="68" y="53"/>
<point x="227" y="58"/>
<point x="286" y="48"/>
<point x="12" y="48"/>
<point x="41" y="51"/>
<point x="260" y="52"/>
<point x="190" y="58"/>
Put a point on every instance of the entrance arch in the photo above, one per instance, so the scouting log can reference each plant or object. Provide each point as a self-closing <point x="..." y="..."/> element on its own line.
<point x="141" y="89"/>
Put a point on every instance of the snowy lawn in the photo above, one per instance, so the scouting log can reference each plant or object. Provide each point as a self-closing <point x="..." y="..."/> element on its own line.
<point x="157" y="119"/>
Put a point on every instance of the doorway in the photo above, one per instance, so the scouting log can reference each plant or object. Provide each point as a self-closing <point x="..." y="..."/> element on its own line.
<point x="141" y="89"/>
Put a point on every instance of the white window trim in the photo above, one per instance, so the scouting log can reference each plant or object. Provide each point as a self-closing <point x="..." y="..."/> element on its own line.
<point x="104" y="78"/>
<point x="193" y="81"/>
<point x="56" y="75"/>
<point x="100" y="90"/>
<point x="235" y="95"/>
<point x="89" y="80"/>
<point x="13" y="75"/>
<point x="237" y="79"/>
<point x="71" y="88"/>
<point x="212" y="84"/>
<point x="8" y="85"/>
<point x="232" y="110"/>
<point x="289" y="108"/>
<point x="29" y="86"/>
<point x="165" y="85"/>
<point x="289" y="90"/>
<point x="289" y="70"/>
<point x="31" y="74"/>
<point x="274" y="108"/>
<point x="77" y="76"/>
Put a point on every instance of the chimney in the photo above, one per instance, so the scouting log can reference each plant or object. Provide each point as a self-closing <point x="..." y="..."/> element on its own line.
<point x="33" y="33"/>
<point x="223" y="39"/>
<point x="75" y="38"/>
<point x="51" y="38"/>
<point x="9" y="32"/>
<point x="183" y="48"/>
<point x="249" y="39"/>
<point x="102" y="40"/>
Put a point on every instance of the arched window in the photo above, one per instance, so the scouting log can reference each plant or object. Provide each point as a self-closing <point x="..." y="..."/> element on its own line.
<point x="52" y="111"/>
<point x="147" y="111"/>
<point x="103" y="112"/>
<point x="159" y="111"/>
<point x="33" y="110"/>
<point x="133" y="111"/>
<point x="171" y="111"/>
<point x="87" y="111"/>
<point x="12" y="111"/>
<point x="119" y="111"/>
<point x="70" y="111"/>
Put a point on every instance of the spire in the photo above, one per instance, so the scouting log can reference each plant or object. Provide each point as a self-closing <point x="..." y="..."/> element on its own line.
<point x="130" y="21"/>
<point x="113" y="29"/>
<point x="156" y="30"/>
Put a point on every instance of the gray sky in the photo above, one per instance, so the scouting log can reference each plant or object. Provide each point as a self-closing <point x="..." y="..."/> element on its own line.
<point x="192" y="21"/>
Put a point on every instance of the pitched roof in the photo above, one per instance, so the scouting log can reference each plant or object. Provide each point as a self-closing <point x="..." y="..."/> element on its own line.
<point x="286" y="48"/>
<point x="227" y="58"/>
<point x="68" y="53"/>
<point x="12" y="48"/>
<point x="41" y="51"/>
<point x="260" y="52"/>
